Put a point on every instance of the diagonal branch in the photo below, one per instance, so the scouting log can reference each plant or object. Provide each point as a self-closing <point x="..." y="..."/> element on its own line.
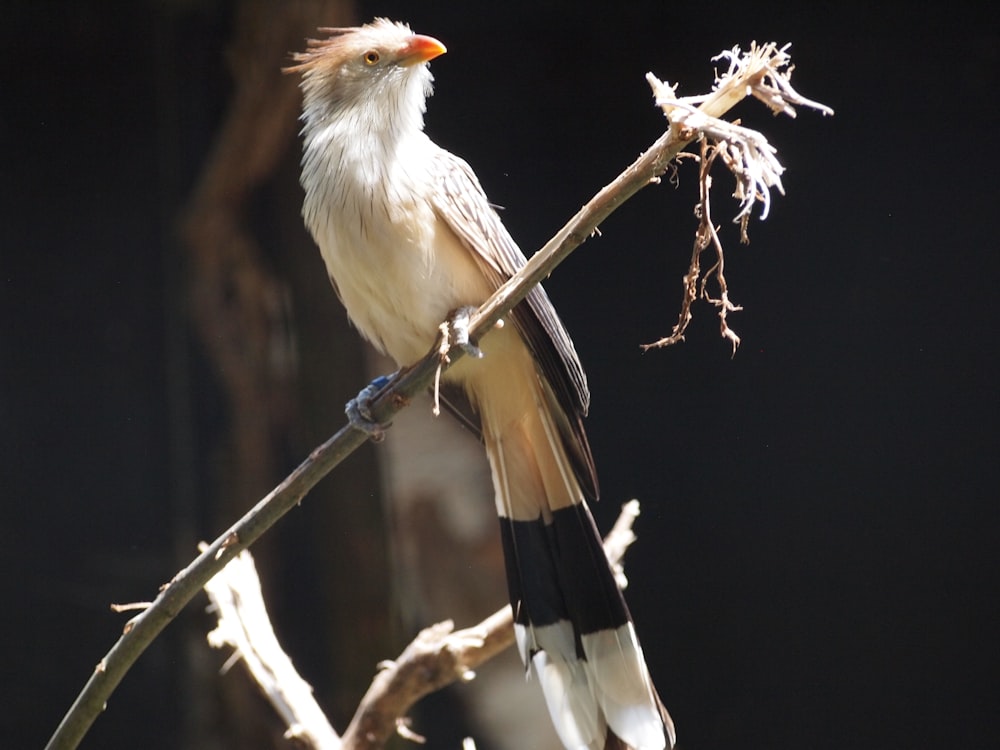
<point x="174" y="595"/>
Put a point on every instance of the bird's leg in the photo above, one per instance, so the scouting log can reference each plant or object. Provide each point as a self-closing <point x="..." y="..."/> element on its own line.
<point x="359" y="412"/>
<point x="456" y="331"/>
<point x="454" y="334"/>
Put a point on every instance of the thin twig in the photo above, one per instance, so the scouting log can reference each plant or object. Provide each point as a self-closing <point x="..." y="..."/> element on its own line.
<point x="695" y="284"/>
<point x="764" y="72"/>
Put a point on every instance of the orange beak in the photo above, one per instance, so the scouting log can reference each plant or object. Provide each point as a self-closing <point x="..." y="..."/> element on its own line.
<point x="420" y="49"/>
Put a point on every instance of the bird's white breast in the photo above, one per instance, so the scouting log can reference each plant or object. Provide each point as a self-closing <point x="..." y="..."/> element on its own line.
<point x="397" y="266"/>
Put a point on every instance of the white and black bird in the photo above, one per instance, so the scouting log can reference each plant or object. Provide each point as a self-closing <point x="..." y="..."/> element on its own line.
<point x="409" y="237"/>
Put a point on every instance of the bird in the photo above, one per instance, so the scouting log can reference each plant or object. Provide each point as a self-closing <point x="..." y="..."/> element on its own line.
<point x="409" y="239"/>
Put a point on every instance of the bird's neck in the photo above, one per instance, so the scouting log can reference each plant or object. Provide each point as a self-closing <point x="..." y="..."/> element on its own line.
<point x="355" y="143"/>
<point x="339" y="147"/>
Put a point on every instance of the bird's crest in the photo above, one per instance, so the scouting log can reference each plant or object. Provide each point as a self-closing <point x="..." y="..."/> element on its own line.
<point x="331" y="51"/>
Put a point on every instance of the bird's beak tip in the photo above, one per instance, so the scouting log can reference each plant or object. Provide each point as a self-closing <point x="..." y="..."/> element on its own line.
<point x="420" y="49"/>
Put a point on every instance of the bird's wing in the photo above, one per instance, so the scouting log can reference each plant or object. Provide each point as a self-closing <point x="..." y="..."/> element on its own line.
<point x="460" y="201"/>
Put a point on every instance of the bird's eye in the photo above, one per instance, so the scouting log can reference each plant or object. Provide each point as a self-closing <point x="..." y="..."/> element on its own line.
<point x="371" y="57"/>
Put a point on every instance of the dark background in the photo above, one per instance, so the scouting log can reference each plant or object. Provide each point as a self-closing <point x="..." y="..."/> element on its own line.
<point x="817" y="565"/>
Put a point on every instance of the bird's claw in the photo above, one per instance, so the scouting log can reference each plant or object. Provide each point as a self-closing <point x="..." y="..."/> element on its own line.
<point x="458" y="331"/>
<point x="359" y="412"/>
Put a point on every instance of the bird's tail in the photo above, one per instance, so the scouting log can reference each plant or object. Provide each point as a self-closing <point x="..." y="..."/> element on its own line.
<point x="573" y="629"/>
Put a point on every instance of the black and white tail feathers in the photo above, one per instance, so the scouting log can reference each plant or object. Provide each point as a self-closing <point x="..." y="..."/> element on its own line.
<point x="573" y="629"/>
<point x="575" y="634"/>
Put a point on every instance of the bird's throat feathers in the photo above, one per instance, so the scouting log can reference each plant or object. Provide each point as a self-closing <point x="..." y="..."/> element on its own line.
<point x="350" y="135"/>
<point x="384" y="105"/>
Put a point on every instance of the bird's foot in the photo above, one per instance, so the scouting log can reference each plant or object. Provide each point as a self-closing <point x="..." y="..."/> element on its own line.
<point x="454" y="335"/>
<point x="359" y="412"/>
<point x="456" y="331"/>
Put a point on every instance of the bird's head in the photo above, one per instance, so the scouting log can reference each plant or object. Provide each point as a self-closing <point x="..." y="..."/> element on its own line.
<point x="376" y="73"/>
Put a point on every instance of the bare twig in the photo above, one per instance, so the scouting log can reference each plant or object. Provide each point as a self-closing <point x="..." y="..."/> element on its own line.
<point x="763" y="72"/>
<point x="244" y="625"/>
<point x="396" y="395"/>
<point x="707" y="234"/>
